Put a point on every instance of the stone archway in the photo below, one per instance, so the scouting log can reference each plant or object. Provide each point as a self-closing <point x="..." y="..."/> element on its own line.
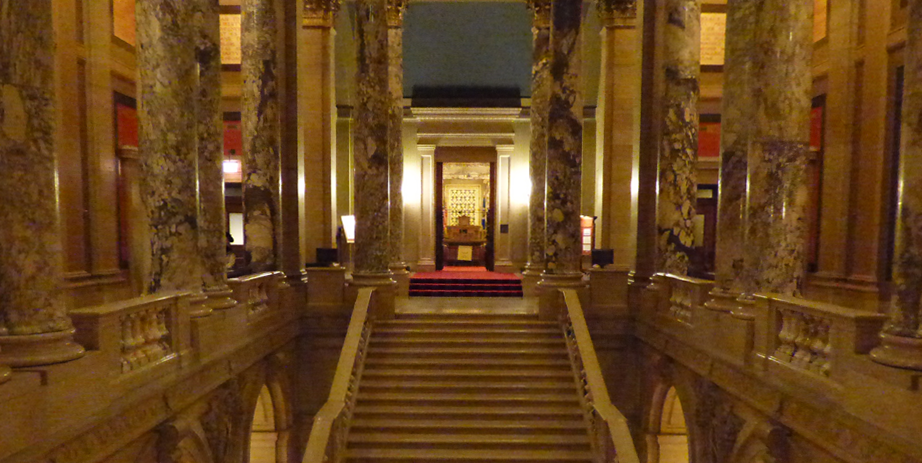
<point x="263" y="432"/>
<point x="268" y="428"/>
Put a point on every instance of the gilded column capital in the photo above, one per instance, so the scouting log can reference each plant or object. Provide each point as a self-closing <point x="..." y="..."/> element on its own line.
<point x="395" y="10"/>
<point x="320" y="12"/>
<point x="542" y="11"/>
<point x="617" y="12"/>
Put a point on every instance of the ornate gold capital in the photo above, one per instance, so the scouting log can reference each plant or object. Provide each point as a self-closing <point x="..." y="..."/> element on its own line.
<point x="395" y="10"/>
<point x="542" y="12"/>
<point x="320" y="12"/>
<point x="611" y="11"/>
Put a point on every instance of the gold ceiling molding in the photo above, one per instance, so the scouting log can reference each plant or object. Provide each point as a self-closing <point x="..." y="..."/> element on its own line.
<point x="320" y="12"/>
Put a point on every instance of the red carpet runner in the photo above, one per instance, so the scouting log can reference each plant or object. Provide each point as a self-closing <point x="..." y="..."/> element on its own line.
<point x="465" y="282"/>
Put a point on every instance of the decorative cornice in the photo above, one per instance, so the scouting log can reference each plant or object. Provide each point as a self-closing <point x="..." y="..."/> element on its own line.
<point x="542" y="11"/>
<point x="610" y="11"/>
<point x="320" y="12"/>
<point x="395" y="10"/>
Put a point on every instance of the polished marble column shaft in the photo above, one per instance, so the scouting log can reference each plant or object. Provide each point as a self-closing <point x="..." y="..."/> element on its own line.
<point x="167" y="144"/>
<point x="563" y="247"/>
<point x="370" y="139"/>
<point x="902" y="336"/>
<point x="210" y="129"/>
<point x="679" y="143"/>
<point x="34" y="326"/>
<point x="396" y="9"/>
<point x="538" y="114"/>
<point x="261" y="133"/>
<point x="776" y="219"/>
<point x="735" y="137"/>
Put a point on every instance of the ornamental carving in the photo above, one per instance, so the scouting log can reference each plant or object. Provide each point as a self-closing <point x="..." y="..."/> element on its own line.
<point x="223" y="420"/>
<point x="617" y="9"/>
<point x="718" y="426"/>
<point x="395" y="10"/>
<point x="542" y="12"/>
<point x="321" y="8"/>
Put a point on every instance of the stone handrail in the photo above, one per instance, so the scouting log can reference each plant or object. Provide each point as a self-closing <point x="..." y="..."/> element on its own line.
<point x="686" y="295"/>
<point x="257" y="292"/>
<point x="331" y="424"/>
<point x="611" y="438"/>
<point x="140" y="330"/>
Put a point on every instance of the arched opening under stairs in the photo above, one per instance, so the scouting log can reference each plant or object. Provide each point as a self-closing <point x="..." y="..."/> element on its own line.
<point x="673" y="433"/>
<point x="263" y="433"/>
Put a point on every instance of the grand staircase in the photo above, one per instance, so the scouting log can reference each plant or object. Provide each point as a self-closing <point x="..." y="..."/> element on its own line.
<point x="467" y="388"/>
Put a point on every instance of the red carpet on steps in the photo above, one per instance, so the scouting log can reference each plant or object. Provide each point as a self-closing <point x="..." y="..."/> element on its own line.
<point x="465" y="282"/>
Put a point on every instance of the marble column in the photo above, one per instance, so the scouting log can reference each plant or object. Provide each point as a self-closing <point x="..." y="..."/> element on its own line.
<point x="371" y="145"/>
<point x="34" y="326"/>
<point x="737" y="115"/>
<point x="261" y="133"/>
<point x="537" y="159"/>
<point x="395" y="11"/>
<point x="564" y="143"/>
<point x="210" y="129"/>
<point x="679" y="143"/>
<point x="168" y="146"/>
<point x="782" y="82"/>
<point x="902" y="336"/>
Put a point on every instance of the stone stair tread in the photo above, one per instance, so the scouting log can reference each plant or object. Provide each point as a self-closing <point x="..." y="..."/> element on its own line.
<point x="473" y="361"/>
<point x="470" y="319"/>
<point x="372" y="383"/>
<point x="473" y="439"/>
<point x="471" y="424"/>
<point x="465" y="330"/>
<point x="473" y="340"/>
<point x="469" y="410"/>
<point x="467" y="397"/>
<point x="470" y="455"/>
<point x="484" y="373"/>
<point x="474" y="350"/>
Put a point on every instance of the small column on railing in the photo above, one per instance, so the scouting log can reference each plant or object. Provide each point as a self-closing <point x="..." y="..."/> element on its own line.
<point x="372" y="256"/>
<point x="736" y="122"/>
<point x="563" y="246"/>
<point x="210" y="131"/>
<point x="537" y="161"/>
<point x="902" y="336"/>
<point x="679" y="145"/>
<point x="34" y="326"/>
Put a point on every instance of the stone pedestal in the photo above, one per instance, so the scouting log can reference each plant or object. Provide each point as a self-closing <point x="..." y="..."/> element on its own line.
<point x="550" y="299"/>
<point x="261" y="132"/>
<point x="34" y="326"/>
<point x="530" y="278"/>
<point x="902" y="336"/>
<point x="326" y="290"/>
<point x="402" y="277"/>
<point x="679" y="144"/>
<point x="383" y="303"/>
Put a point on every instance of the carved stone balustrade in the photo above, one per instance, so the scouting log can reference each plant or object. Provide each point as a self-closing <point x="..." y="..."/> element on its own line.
<point x="258" y="292"/>
<point x="136" y="334"/>
<point x="815" y="338"/>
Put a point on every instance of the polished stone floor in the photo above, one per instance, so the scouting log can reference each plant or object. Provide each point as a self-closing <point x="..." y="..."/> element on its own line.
<point x="468" y="305"/>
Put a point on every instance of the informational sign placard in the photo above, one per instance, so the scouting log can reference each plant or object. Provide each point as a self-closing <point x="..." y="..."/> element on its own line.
<point x="230" y="39"/>
<point x="713" y="33"/>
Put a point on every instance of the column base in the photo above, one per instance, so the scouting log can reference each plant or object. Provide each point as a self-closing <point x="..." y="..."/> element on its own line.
<point x="550" y="300"/>
<point x="199" y="305"/>
<point x="722" y="300"/>
<point x="39" y="349"/>
<point x="898" y="351"/>
<point x="530" y="278"/>
<point x="5" y="373"/>
<point x="382" y="303"/>
<point x="220" y="298"/>
<point x="400" y="274"/>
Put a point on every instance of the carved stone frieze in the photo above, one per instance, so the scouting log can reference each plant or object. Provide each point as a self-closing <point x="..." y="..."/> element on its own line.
<point x="223" y="419"/>
<point x="617" y="9"/>
<point x="323" y="11"/>
<point x="718" y="426"/>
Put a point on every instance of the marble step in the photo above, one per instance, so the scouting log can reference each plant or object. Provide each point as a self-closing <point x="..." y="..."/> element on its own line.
<point x="467" y="425"/>
<point x="496" y="370"/>
<point x="451" y="399"/>
<point x="479" y="341"/>
<point x="393" y="440"/>
<point x="467" y="322"/>
<point x="470" y="352"/>
<point x="464" y="331"/>
<point x="466" y="455"/>
<point x="484" y="388"/>
<point x="444" y="412"/>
